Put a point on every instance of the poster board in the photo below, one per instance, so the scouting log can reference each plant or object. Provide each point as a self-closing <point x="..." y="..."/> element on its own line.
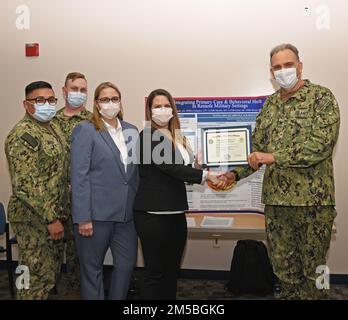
<point x="198" y="113"/>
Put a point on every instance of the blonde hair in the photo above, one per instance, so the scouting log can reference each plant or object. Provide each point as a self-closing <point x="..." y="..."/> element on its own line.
<point x="97" y="120"/>
<point x="73" y="76"/>
<point x="175" y="134"/>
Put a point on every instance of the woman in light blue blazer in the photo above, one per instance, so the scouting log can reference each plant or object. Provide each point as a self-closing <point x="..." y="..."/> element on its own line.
<point x="104" y="182"/>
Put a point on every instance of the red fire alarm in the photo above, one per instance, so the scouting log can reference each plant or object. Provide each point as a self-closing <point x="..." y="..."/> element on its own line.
<point x="31" y="49"/>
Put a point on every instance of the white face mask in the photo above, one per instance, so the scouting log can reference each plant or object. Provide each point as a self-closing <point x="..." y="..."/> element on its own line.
<point x="162" y="115"/>
<point x="286" y="78"/>
<point x="109" y="110"/>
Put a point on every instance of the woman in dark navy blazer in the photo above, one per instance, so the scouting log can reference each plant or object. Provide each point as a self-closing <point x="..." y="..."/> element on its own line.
<point x="165" y="165"/>
<point x="104" y="184"/>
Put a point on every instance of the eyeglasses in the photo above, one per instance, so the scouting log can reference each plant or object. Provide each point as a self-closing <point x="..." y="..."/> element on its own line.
<point x="107" y="100"/>
<point x="40" y="101"/>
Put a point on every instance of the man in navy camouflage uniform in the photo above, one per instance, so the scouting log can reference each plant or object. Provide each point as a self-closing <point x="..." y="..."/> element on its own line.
<point x="36" y="155"/>
<point x="295" y="135"/>
<point x="75" y="95"/>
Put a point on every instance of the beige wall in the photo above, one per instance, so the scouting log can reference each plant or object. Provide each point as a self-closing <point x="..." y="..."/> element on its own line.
<point x="191" y="48"/>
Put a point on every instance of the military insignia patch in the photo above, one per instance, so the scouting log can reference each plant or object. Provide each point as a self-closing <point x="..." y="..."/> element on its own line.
<point x="30" y="140"/>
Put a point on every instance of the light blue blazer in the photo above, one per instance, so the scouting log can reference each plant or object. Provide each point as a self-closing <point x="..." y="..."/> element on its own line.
<point x="101" y="188"/>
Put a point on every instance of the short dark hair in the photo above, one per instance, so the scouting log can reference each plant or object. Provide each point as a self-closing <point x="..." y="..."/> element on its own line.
<point x="36" y="85"/>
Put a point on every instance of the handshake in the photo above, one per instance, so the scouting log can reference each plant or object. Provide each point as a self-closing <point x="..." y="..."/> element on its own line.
<point x="225" y="181"/>
<point x="221" y="181"/>
<point x="218" y="181"/>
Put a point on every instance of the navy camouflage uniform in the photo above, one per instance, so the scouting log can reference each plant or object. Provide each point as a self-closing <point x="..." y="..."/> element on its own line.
<point x="298" y="189"/>
<point x="37" y="162"/>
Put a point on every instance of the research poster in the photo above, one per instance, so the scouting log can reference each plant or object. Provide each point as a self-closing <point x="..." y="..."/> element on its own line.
<point x="199" y="113"/>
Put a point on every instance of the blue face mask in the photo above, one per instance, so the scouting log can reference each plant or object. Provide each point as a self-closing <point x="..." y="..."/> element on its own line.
<point x="44" y="113"/>
<point x="76" y="99"/>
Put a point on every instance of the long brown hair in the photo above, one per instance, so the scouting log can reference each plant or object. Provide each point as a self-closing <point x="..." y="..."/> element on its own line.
<point x="97" y="120"/>
<point x="174" y="123"/>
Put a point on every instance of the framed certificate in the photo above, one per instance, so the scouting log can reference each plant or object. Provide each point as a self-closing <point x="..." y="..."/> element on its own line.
<point x="226" y="146"/>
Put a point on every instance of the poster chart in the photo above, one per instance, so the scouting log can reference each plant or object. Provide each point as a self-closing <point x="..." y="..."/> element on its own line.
<point x="198" y="113"/>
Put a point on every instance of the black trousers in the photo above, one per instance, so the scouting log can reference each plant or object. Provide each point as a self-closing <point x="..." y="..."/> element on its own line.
<point x="163" y="239"/>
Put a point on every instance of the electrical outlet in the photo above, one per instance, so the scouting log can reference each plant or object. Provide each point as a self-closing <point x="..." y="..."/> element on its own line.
<point x="307" y="12"/>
